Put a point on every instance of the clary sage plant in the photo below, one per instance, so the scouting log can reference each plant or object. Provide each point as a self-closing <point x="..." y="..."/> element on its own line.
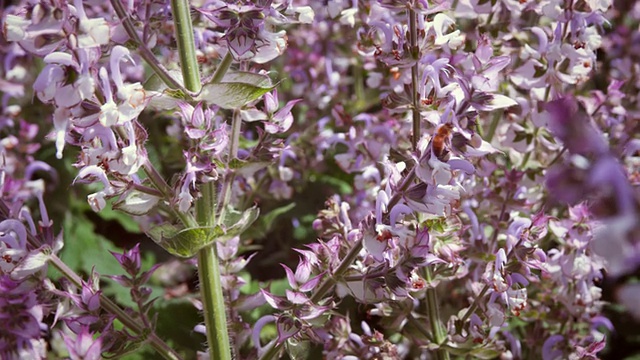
<point x="377" y="179"/>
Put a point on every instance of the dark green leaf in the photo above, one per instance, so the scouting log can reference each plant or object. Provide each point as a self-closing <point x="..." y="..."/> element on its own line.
<point x="187" y="242"/>
<point x="236" y="90"/>
<point x="84" y="249"/>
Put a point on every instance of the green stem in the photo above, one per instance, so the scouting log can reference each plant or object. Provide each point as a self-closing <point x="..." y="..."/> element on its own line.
<point x="158" y="182"/>
<point x="408" y="180"/>
<point x="209" y="273"/>
<point x="474" y="306"/>
<point x="222" y="68"/>
<point x="415" y="112"/>
<point x="358" y="88"/>
<point x="211" y="292"/>
<point x="207" y="205"/>
<point x="213" y="304"/>
<point x="525" y="160"/>
<point x="186" y="45"/>
<point x="480" y="131"/>
<point x="558" y="156"/>
<point x="437" y="328"/>
<point x="342" y="268"/>
<point x="503" y="210"/>
<point x="490" y="18"/>
<point x="208" y="266"/>
<point x="143" y="51"/>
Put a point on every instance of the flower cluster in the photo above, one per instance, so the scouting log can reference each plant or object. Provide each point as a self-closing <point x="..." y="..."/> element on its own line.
<point x="26" y="243"/>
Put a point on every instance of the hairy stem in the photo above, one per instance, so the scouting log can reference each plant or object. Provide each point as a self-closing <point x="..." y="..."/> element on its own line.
<point x="213" y="304"/>
<point x="186" y="45"/>
<point x="211" y="292"/>
<point x="222" y="68"/>
<point x="420" y="326"/>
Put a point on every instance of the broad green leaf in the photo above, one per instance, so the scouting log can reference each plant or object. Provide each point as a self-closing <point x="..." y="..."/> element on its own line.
<point x="247" y="78"/>
<point x="161" y="97"/>
<point x="237" y="222"/>
<point x="186" y="242"/>
<point x="236" y="90"/>
<point x="183" y="242"/>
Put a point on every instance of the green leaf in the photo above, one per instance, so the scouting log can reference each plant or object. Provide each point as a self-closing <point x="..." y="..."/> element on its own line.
<point x="183" y="242"/>
<point x="273" y="214"/>
<point x="237" y="222"/>
<point x="236" y="89"/>
<point x="186" y="242"/>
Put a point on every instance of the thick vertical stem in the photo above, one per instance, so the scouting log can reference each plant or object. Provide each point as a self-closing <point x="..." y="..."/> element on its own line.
<point x="186" y="45"/>
<point x="213" y="303"/>
<point x="208" y="267"/>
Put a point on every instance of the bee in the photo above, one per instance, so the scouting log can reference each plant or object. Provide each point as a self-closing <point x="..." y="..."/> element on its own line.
<point x="441" y="140"/>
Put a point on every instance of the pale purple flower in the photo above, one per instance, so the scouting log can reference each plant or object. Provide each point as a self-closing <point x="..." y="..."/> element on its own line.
<point x="275" y="120"/>
<point x="83" y="346"/>
<point x="129" y="260"/>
